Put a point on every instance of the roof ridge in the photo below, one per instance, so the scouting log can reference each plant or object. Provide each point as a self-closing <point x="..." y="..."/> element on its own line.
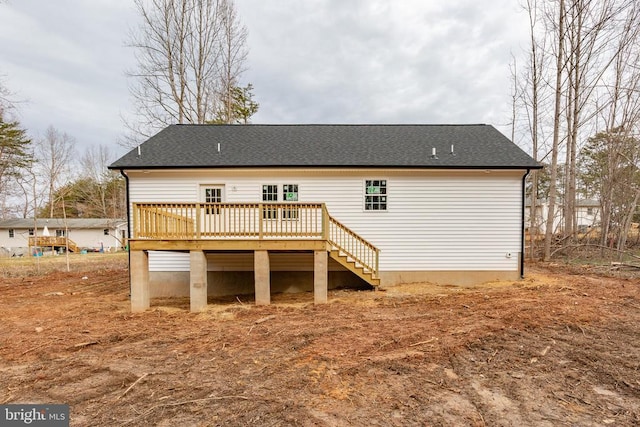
<point x="329" y="124"/>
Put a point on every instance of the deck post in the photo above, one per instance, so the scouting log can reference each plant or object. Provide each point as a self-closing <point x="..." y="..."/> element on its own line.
<point x="262" y="274"/>
<point x="320" y="276"/>
<point x="376" y="272"/>
<point x="198" y="281"/>
<point x="139" y="273"/>
<point x="325" y="222"/>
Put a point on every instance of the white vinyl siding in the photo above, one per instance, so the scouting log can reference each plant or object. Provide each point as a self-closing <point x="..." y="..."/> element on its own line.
<point x="168" y="261"/>
<point x="435" y="220"/>
<point x="243" y="261"/>
<point x="452" y="223"/>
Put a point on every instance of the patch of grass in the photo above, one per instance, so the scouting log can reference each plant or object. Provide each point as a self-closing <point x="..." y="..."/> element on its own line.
<point x="36" y="266"/>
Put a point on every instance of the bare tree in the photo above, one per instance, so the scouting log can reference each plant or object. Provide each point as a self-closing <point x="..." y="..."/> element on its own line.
<point x="559" y="67"/>
<point x="615" y="153"/>
<point x="5" y="103"/>
<point x="27" y="185"/>
<point x="531" y="98"/>
<point x="55" y="153"/>
<point x="233" y="55"/>
<point x="190" y="55"/>
<point x="94" y="162"/>
<point x="592" y="27"/>
<point x="580" y="39"/>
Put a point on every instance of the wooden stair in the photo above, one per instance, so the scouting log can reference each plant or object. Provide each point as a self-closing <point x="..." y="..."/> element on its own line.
<point x="355" y="267"/>
<point x="72" y="245"/>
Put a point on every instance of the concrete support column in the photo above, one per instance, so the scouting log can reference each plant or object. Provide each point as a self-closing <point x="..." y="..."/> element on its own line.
<point x="320" y="276"/>
<point x="198" y="281"/>
<point x="262" y="274"/>
<point x="139" y="274"/>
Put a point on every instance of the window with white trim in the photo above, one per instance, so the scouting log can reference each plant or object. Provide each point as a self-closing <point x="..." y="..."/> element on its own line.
<point x="60" y="233"/>
<point x="31" y="232"/>
<point x="290" y="194"/>
<point x="11" y="233"/>
<point x="375" y="195"/>
<point x="213" y="195"/>
<point x="270" y="194"/>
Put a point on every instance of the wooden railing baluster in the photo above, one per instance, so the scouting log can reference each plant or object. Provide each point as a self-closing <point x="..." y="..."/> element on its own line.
<point x="255" y="220"/>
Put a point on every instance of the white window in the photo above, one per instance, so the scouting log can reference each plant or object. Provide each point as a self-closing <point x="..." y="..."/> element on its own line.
<point x="60" y="233"/>
<point x="290" y="194"/>
<point x="212" y="194"/>
<point x="31" y="233"/>
<point x="105" y="231"/>
<point x="270" y="194"/>
<point x="11" y="233"/>
<point x="375" y="195"/>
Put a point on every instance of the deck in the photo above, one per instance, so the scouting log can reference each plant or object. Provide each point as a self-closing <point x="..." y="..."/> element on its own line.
<point x="258" y="227"/>
<point x="53" y="242"/>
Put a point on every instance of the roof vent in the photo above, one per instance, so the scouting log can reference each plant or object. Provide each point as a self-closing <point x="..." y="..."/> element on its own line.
<point x="139" y="151"/>
<point x="453" y="153"/>
<point x="218" y="147"/>
<point x="433" y="153"/>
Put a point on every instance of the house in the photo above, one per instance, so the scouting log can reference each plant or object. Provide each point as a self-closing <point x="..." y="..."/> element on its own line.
<point x="229" y="209"/>
<point x="587" y="216"/>
<point x="18" y="235"/>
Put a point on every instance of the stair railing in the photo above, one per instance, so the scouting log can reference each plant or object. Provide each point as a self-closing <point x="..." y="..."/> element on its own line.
<point x="351" y="244"/>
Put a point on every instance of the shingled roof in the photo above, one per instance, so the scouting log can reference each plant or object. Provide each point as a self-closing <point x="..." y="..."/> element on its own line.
<point x="341" y="146"/>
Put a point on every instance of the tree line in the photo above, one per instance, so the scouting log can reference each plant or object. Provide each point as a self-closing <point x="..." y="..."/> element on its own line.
<point x="190" y="58"/>
<point x="576" y="100"/>
<point x="47" y="177"/>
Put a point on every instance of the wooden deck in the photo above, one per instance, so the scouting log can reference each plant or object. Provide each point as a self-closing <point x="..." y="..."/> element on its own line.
<point x="53" y="242"/>
<point x="252" y="226"/>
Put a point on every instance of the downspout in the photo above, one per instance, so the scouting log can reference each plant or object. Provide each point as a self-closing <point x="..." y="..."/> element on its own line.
<point x="524" y="178"/>
<point x="126" y="180"/>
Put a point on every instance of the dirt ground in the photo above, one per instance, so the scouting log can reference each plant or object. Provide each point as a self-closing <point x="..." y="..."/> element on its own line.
<point x="561" y="347"/>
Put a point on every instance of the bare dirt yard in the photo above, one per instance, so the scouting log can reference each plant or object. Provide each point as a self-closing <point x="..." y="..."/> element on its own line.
<point x="561" y="347"/>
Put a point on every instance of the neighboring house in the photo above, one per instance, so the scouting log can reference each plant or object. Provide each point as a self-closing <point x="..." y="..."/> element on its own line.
<point x="18" y="235"/>
<point x="587" y="216"/>
<point x="230" y="209"/>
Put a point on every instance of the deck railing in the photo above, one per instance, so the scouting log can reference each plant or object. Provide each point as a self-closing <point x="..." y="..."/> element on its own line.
<point x="354" y="246"/>
<point x="189" y="221"/>
<point x="53" y="241"/>
<point x="164" y="220"/>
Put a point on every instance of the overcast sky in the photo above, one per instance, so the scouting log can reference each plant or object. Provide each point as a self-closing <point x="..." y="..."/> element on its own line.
<point x="311" y="61"/>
